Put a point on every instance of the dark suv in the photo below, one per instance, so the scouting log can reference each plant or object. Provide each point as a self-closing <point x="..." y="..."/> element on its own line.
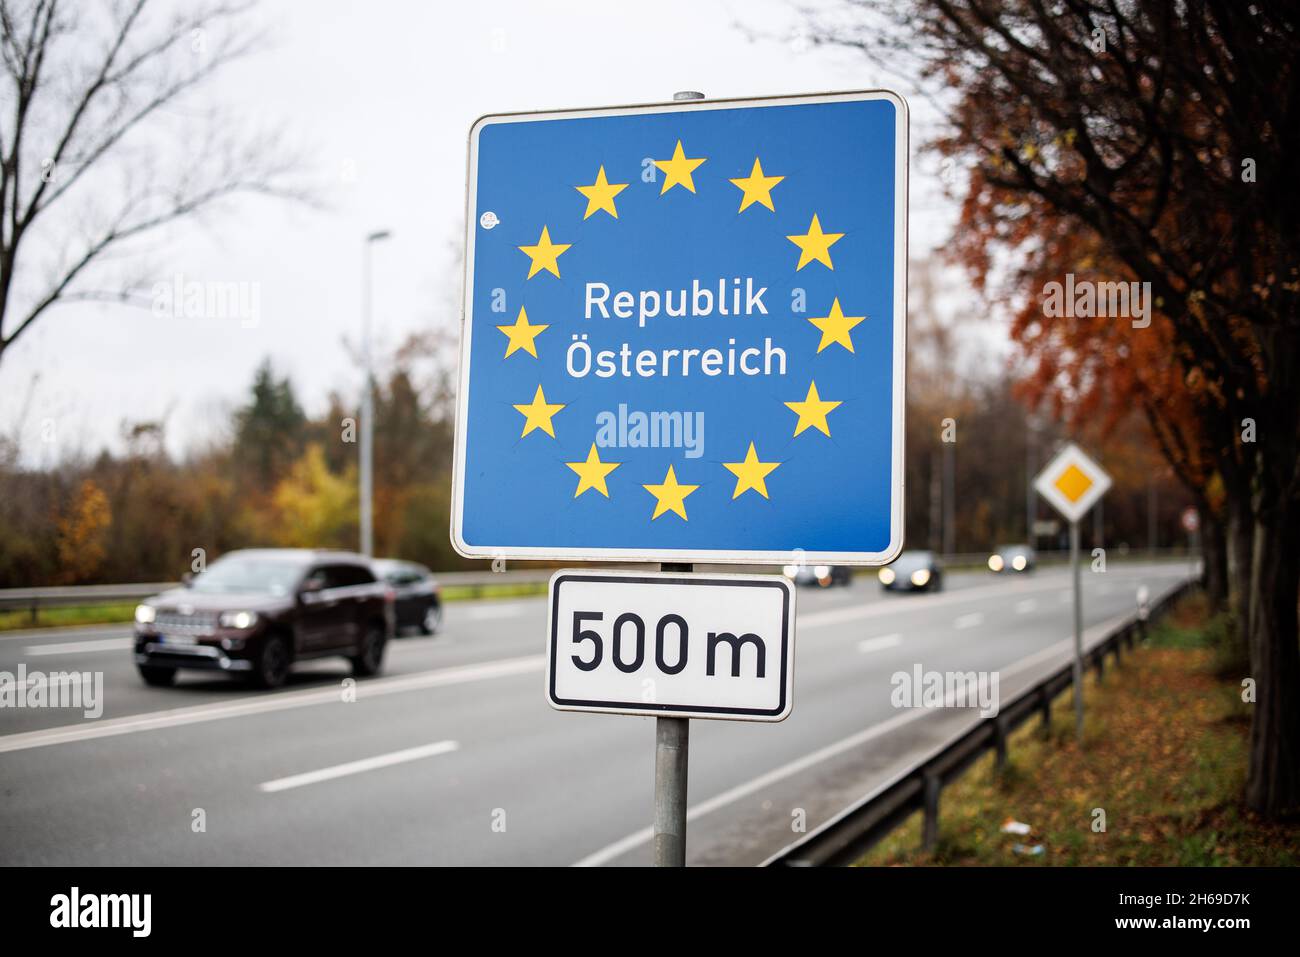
<point x="257" y="611"/>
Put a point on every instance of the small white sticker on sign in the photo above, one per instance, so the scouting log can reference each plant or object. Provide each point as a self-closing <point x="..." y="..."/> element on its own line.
<point x="698" y="646"/>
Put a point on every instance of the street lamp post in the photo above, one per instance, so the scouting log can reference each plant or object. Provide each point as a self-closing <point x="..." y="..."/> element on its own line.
<point x="367" y="398"/>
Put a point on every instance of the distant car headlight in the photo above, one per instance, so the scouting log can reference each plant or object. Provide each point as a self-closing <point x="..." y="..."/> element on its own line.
<point x="1019" y="563"/>
<point x="920" y="577"/>
<point x="995" y="563"/>
<point x="790" y="571"/>
<point x="238" y="619"/>
<point x="145" y="614"/>
<point x="886" y="576"/>
<point x="822" y="571"/>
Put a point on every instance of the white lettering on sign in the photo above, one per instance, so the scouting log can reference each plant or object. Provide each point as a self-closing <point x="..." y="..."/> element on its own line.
<point x="707" y="646"/>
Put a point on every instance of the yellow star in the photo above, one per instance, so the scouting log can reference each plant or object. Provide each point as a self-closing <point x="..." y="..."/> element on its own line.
<point x="538" y="414"/>
<point x="523" y="336"/>
<point x="815" y="244"/>
<point x="600" y="195"/>
<point x="591" y="473"/>
<point x="812" y="411"/>
<point x="671" y="496"/>
<point x="545" y="255"/>
<point x="835" y="327"/>
<point x="750" y="473"/>
<point x="678" y="170"/>
<point x="757" y="187"/>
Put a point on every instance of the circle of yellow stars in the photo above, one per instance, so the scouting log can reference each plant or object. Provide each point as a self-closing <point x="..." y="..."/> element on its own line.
<point x="812" y="411"/>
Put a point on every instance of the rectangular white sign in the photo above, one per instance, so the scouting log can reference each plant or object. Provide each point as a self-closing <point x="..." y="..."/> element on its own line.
<point x="697" y="645"/>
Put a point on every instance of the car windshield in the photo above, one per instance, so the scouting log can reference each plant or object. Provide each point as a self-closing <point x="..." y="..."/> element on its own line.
<point x="1013" y="549"/>
<point x="390" y="570"/>
<point x="910" y="561"/>
<point x="269" y="576"/>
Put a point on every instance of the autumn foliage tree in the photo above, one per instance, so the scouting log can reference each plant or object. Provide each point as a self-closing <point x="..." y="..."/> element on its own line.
<point x="1162" y="135"/>
<point x="81" y="533"/>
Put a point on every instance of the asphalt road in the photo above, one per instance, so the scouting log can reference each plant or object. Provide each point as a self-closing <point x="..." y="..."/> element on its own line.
<point x="452" y="756"/>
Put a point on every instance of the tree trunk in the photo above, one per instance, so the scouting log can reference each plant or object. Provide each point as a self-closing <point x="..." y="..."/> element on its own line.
<point x="1240" y="547"/>
<point x="1273" y="785"/>
<point x="1214" y="556"/>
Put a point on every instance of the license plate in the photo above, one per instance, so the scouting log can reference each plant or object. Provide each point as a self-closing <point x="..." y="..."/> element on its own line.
<point x="178" y="640"/>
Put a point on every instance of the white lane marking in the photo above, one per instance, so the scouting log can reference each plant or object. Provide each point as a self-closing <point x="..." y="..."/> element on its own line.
<point x="512" y="610"/>
<point x="878" y="644"/>
<point x="637" y="838"/>
<point x="357" y="767"/>
<point x="1026" y="606"/>
<point x="280" y="701"/>
<point x="969" y="621"/>
<point x="78" y="647"/>
<point x="76" y="631"/>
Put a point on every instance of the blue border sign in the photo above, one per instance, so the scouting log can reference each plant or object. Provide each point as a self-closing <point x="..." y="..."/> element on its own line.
<point x="684" y="331"/>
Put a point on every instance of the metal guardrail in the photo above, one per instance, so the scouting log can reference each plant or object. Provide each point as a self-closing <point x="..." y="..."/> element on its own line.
<point x="34" y="599"/>
<point x="847" y="836"/>
<point x="478" y="582"/>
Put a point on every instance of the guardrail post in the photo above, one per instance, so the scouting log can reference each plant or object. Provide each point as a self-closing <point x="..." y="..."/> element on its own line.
<point x="1100" y="664"/>
<point x="35" y="605"/>
<point x="930" y="819"/>
<point x="1045" y="707"/>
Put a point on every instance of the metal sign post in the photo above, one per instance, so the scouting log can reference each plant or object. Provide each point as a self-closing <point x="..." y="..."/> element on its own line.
<point x="1073" y="483"/>
<point x="1076" y="577"/>
<point x="672" y="753"/>
<point x="672" y="764"/>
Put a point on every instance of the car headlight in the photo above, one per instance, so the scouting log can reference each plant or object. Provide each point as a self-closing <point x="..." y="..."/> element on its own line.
<point x="995" y="563"/>
<point x="238" y="619"/>
<point x="145" y="614"/>
<point x="790" y="571"/>
<point x="886" y="576"/>
<point x="1019" y="563"/>
<point x="822" y="571"/>
<point x="920" y="577"/>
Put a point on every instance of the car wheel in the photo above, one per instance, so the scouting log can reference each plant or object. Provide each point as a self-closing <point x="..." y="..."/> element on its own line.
<point x="432" y="619"/>
<point x="371" y="658"/>
<point x="157" y="676"/>
<point x="271" y="666"/>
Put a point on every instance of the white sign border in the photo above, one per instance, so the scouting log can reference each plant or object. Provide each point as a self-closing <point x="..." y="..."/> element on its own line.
<point x="643" y="709"/>
<point x="732" y="556"/>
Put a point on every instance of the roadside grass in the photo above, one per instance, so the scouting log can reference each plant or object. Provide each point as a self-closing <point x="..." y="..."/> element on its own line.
<point x="504" y="590"/>
<point x="123" y="612"/>
<point x="110" y="614"/>
<point x="1165" y="752"/>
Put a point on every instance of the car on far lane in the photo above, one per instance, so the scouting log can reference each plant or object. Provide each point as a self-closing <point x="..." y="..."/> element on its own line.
<point x="914" y="570"/>
<point x="256" y="611"/>
<point x="418" y="595"/>
<point x="825" y="576"/>
<point x="1012" y="558"/>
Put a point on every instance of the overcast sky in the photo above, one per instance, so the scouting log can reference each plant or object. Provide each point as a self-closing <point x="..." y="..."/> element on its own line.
<point x="382" y="94"/>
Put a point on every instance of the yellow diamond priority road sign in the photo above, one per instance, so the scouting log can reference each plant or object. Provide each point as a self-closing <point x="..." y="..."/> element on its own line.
<point x="1072" y="482"/>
